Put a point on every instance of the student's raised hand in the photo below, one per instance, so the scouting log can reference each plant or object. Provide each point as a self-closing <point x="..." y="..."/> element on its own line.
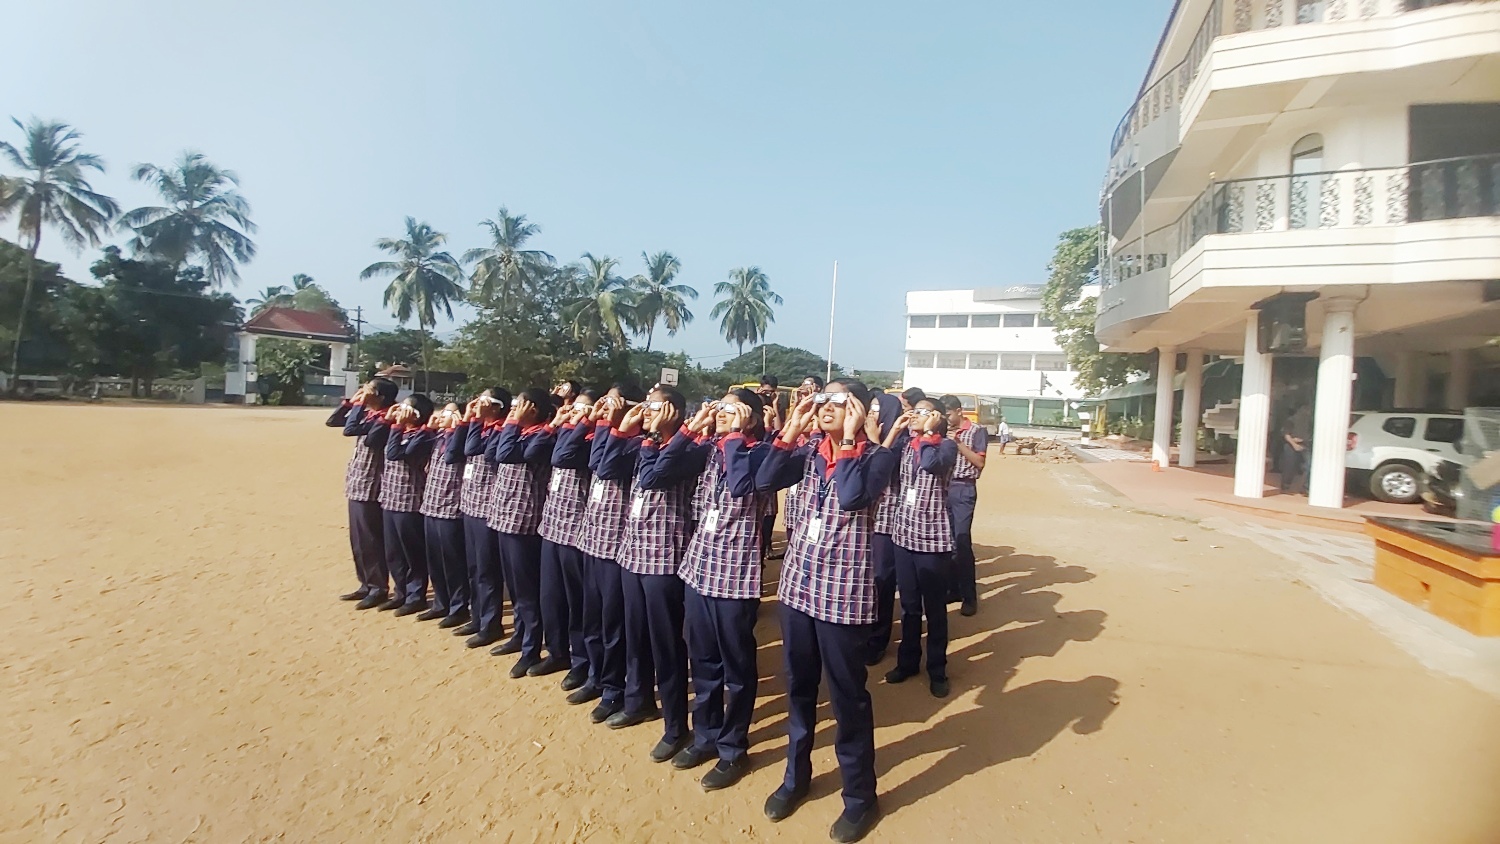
<point x="930" y="422"/>
<point x="630" y="425"/>
<point x="872" y="427"/>
<point x="854" y="417"/>
<point x="360" y="395"/>
<point x="703" y="420"/>
<point x="741" y="416"/>
<point x="563" y="414"/>
<point x="664" y="417"/>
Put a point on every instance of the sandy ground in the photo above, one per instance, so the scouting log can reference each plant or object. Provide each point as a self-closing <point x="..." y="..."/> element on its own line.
<point x="177" y="670"/>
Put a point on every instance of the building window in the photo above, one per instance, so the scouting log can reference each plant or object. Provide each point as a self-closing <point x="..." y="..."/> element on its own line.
<point x="953" y="321"/>
<point x="978" y="361"/>
<point x="984" y="321"/>
<point x="1015" y="362"/>
<point x="1043" y="322"/>
<point x="1020" y="320"/>
<point x="1052" y="363"/>
<point x="921" y="322"/>
<point x="952" y="360"/>
<point x="919" y="360"/>
<point x="1305" y="211"/>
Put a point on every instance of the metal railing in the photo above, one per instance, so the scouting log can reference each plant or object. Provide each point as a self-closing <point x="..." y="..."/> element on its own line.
<point x="1447" y="189"/>
<point x="1246" y="16"/>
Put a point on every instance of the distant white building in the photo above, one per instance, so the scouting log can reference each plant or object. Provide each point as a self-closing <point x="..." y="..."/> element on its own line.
<point x="991" y="342"/>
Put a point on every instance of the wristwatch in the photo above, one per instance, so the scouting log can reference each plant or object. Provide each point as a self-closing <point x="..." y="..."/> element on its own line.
<point x="847" y="443"/>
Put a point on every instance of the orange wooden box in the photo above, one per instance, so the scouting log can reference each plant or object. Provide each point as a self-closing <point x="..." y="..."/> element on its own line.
<point x="1452" y="584"/>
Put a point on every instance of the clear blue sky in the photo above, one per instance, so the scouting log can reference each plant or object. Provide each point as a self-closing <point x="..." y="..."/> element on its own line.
<point x="923" y="146"/>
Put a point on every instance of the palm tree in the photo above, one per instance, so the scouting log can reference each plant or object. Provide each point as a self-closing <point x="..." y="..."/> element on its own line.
<point x="272" y="297"/>
<point x="56" y="191"/>
<point x="423" y="281"/>
<point x="604" y="304"/>
<point x="658" y="299"/>
<point x="204" y="219"/>
<point x="504" y="266"/>
<point x="744" y="305"/>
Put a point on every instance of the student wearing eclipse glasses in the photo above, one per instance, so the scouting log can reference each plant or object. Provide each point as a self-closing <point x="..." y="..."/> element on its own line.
<point x="827" y="591"/>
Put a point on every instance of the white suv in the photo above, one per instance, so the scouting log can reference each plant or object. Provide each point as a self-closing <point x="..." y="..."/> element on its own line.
<point x="1388" y="451"/>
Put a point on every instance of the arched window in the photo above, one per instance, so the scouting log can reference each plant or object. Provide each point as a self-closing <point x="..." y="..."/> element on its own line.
<point x="1306" y="186"/>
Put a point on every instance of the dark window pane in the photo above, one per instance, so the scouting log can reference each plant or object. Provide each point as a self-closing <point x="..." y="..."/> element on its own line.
<point x="1401" y="426"/>
<point x="1443" y="430"/>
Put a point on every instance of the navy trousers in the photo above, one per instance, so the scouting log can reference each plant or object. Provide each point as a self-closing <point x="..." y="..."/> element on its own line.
<point x="653" y="640"/>
<point x="406" y="555"/>
<point x="606" y="602"/>
<point x="446" y="565"/>
<point x="814" y="648"/>
<point x="721" y="645"/>
<point x="367" y="542"/>
<point x="883" y="555"/>
<point x="522" y="556"/>
<point x="962" y="498"/>
<point x="487" y="575"/>
<point x="923" y="581"/>
<point x="562" y="603"/>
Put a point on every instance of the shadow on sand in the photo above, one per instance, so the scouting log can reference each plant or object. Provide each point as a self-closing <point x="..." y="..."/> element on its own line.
<point x="1018" y="619"/>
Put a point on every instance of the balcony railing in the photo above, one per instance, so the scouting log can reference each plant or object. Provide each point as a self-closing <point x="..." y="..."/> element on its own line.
<point x="1449" y="189"/>
<point x="1245" y="16"/>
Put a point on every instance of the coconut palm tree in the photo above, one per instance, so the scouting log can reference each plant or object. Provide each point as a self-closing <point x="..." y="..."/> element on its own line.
<point x="658" y="299"/>
<point x="604" y="306"/>
<point x="505" y="266"/>
<point x="53" y="190"/>
<point x="275" y="296"/>
<point x="744" y="306"/>
<point x="205" y="218"/>
<point x="423" y="280"/>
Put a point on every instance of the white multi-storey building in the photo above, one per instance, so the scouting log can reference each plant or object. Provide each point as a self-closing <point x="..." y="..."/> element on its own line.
<point x="991" y="342"/>
<point x="1329" y="161"/>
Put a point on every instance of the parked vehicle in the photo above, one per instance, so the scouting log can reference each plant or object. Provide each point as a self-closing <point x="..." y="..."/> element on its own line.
<point x="1442" y="489"/>
<point x="1389" y="452"/>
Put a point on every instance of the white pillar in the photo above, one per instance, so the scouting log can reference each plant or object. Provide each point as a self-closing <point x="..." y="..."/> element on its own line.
<point x="1255" y="416"/>
<point x="247" y="362"/>
<point x="1192" y="409"/>
<point x="1166" y="373"/>
<point x="1409" y="373"/>
<point x="338" y="360"/>
<point x="1331" y="417"/>
<point x="1456" y="393"/>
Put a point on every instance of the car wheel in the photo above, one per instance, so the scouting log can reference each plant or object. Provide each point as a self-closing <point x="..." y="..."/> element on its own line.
<point x="1396" y="483"/>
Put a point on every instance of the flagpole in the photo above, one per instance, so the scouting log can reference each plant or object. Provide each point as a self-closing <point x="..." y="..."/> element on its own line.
<point x="832" y="305"/>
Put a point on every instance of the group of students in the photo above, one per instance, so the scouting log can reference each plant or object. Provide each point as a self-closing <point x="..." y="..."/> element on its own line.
<point x="631" y="537"/>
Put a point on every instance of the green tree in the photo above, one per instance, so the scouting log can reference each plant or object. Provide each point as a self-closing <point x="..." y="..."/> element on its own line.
<point x="505" y="267"/>
<point x="745" y="306"/>
<point x="404" y="345"/>
<point x="53" y="190"/>
<point x="283" y="364"/>
<point x="154" y="318"/>
<point x="603" y="306"/>
<point x="423" y="279"/>
<point x="659" y="299"/>
<point x="205" y="219"/>
<point x="275" y="296"/>
<point x="51" y="340"/>
<point x="1075" y="265"/>
<point x="789" y="365"/>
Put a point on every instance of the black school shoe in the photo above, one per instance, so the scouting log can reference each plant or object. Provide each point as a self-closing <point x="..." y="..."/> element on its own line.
<point x="576" y="678"/>
<point x="469" y="629"/>
<point x="969" y="609"/>
<point x="411" y="608"/>
<point x="725" y="774"/>
<point x="784" y="801"/>
<point x="458" y="619"/>
<point x="481" y="640"/>
<point x="848" y="829"/>
<point x="356" y="595"/>
<point x="692" y="756"/>
<point x="524" y="664"/>
<point x="433" y="614"/>
<point x="371" y="601"/>
<point x="665" y="750"/>
<point x="395" y="603"/>
<point x="584" y="694"/>
<point x="550" y="665"/>
<point x="508" y="647"/>
<point x="939" y="688"/>
<point x="622" y="719"/>
<point x="604" y="711"/>
<point x="898" y="675"/>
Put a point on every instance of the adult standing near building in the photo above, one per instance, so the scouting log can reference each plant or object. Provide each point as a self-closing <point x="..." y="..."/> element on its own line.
<point x="963" y="496"/>
<point x="1295" y="446"/>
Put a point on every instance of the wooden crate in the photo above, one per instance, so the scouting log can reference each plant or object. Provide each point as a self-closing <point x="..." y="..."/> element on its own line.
<point x="1453" y="585"/>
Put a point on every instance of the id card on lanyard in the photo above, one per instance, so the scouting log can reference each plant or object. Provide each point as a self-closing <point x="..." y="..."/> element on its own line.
<point x="820" y="498"/>
<point x="597" y="493"/>
<point x="469" y="471"/>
